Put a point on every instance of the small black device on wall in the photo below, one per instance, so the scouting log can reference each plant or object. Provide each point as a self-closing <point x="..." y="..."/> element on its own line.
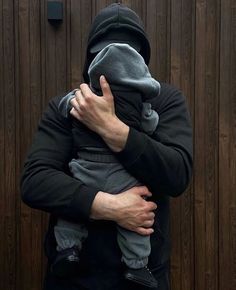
<point x="55" y="12"/>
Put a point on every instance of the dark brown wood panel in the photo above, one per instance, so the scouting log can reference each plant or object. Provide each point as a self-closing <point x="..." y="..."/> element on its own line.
<point x="8" y="146"/>
<point x="2" y="151"/>
<point x="57" y="43"/>
<point x="227" y="148"/>
<point x="157" y="22"/>
<point x="81" y="17"/>
<point x="30" y="270"/>
<point x="206" y="145"/>
<point x="182" y="51"/>
<point x="25" y="233"/>
<point x="193" y="47"/>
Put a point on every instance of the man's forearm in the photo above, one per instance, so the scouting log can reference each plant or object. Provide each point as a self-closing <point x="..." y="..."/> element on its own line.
<point x="103" y="207"/>
<point x="115" y="134"/>
<point x="128" y="209"/>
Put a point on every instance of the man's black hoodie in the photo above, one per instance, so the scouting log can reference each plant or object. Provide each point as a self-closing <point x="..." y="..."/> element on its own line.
<point x="116" y="17"/>
<point x="163" y="162"/>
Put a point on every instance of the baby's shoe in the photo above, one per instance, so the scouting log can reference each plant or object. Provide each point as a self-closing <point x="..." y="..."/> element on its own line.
<point x="66" y="263"/>
<point x="141" y="276"/>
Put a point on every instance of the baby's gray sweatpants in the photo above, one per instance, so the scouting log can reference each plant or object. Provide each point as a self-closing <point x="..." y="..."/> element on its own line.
<point x="103" y="171"/>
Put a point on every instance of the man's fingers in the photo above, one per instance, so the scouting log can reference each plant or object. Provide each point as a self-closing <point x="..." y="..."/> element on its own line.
<point x="144" y="231"/>
<point x="146" y="193"/>
<point x="75" y="113"/>
<point x="148" y="224"/>
<point x="85" y="91"/>
<point x="80" y="103"/>
<point x="143" y="191"/>
<point x="106" y="91"/>
<point x="74" y="104"/>
<point x="151" y="205"/>
<point x="151" y="215"/>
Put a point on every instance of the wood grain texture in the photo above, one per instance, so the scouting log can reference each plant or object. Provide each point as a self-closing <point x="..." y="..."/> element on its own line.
<point x="193" y="47"/>
<point x="2" y="152"/>
<point x="227" y="147"/>
<point x="182" y="51"/>
<point x="158" y="30"/>
<point x="81" y="17"/>
<point x="8" y="150"/>
<point x="206" y="145"/>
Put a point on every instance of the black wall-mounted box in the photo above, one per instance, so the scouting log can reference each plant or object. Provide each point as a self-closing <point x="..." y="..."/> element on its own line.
<point x="55" y="11"/>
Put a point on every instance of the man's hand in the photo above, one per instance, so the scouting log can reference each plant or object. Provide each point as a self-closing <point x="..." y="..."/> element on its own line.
<point x="98" y="114"/>
<point x="129" y="209"/>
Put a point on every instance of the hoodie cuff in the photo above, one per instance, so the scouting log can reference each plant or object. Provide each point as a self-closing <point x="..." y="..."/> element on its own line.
<point x="81" y="204"/>
<point x="134" y="147"/>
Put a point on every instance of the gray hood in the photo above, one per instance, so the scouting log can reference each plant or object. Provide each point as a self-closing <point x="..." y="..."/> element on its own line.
<point x="124" y="69"/>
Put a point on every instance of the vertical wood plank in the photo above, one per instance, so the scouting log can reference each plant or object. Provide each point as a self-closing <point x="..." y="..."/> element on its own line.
<point x="25" y="267"/>
<point x="8" y="88"/>
<point x="227" y="145"/>
<point x="35" y="113"/>
<point x="182" y="75"/>
<point x="61" y="47"/>
<point x="187" y="19"/>
<point x="157" y="27"/>
<point x="43" y="52"/>
<point x="206" y="145"/>
<point x="68" y="12"/>
<point x="80" y="23"/>
<point x="2" y="152"/>
<point x="175" y="63"/>
<point x="187" y="86"/>
<point x="43" y="23"/>
<point x="18" y="145"/>
<point x="55" y="59"/>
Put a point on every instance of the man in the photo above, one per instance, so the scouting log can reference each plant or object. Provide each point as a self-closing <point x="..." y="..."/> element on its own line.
<point x="163" y="162"/>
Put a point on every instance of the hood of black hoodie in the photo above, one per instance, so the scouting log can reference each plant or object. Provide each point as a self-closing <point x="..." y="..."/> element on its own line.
<point x="116" y="17"/>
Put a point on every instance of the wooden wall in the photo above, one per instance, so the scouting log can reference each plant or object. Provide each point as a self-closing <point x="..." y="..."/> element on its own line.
<point x="194" y="47"/>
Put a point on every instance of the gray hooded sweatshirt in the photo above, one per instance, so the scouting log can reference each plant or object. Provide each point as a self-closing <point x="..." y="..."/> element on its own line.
<point x="126" y="71"/>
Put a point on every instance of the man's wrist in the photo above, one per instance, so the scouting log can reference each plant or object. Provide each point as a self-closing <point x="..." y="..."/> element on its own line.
<point x="115" y="134"/>
<point x="103" y="207"/>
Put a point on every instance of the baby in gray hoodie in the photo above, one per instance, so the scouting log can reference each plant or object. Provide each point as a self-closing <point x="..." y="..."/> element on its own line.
<point x="132" y="86"/>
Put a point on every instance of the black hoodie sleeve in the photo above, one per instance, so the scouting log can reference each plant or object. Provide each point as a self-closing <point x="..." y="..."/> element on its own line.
<point x="44" y="183"/>
<point x="163" y="162"/>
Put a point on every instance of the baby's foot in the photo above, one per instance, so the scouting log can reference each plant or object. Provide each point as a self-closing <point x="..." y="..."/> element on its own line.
<point x="66" y="263"/>
<point x="141" y="276"/>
